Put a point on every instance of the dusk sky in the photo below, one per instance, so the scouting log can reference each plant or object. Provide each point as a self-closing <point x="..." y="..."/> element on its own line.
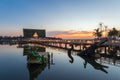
<point x="58" y="17"/>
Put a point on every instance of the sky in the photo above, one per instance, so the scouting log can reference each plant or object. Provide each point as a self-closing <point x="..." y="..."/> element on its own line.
<point x="60" y="18"/>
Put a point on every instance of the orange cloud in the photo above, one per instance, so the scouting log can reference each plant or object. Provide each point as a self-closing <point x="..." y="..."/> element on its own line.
<point x="77" y="34"/>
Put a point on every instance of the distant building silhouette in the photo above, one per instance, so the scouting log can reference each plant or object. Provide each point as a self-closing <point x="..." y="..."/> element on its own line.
<point x="34" y="33"/>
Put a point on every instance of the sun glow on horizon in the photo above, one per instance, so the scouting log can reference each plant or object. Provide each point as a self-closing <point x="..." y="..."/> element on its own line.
<point x="76" y="35"/>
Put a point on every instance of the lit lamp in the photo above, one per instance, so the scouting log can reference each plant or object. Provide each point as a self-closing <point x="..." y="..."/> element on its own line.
<point x="35" y="35"/>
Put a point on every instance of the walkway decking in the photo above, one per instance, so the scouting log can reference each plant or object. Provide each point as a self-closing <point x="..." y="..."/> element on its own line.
<point x="65" y="43"/>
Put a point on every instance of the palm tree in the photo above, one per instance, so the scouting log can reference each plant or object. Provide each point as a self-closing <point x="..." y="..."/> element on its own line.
<point x="97" y="33"/>
<point x="114" y="32"/>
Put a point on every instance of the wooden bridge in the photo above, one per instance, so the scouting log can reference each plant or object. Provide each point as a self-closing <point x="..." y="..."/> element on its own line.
<point x="66" y="43"/>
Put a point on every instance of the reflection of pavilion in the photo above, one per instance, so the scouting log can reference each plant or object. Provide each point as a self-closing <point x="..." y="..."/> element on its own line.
<point x="36" y="54"/>
<point x="37" y="60"/>
<point x="34" y="65"/>
<point x="35" y="70"/>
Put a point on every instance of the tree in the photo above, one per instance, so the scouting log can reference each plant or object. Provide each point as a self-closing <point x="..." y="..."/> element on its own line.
<point x="114" y="32"/>
<point x="97" y="33"/>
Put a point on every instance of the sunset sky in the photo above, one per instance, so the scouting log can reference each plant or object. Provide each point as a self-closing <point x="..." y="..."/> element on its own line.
<point x="60" y="18"/>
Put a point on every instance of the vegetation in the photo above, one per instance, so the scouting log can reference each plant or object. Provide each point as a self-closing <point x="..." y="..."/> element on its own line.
<point x="111" y="33"/>
<point x="114" y="32"/>
<point x="97" y="33"/>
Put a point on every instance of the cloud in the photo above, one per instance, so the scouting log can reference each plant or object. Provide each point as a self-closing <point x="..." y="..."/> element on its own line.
<point x="54" y="33"/>
<point x="71" y="34"/>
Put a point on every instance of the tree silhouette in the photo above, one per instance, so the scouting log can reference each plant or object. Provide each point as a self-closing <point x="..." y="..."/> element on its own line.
<point x="97" y="33"/>
<point x="114" y="32"/>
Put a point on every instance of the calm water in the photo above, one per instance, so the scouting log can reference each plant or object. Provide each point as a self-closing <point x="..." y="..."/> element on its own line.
<point x="14" y="66"/>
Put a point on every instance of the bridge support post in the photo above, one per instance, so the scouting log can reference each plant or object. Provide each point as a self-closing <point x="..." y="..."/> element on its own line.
<point x="66" y="46"/>
<point x="105" y="50"/>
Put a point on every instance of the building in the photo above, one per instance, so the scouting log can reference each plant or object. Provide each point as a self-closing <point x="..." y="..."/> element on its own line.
<point x="34" y="33"/>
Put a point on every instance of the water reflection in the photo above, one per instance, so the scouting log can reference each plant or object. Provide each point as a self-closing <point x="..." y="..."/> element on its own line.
<point x="69" y="54"/>
<point x="112" y="54"/>
<point x="37" y="61"/>
<point x="36" y="54"/>
<point x="109" y="56"/>
<point x="50" y="60"/>
<point x="80" y="68"/>
<point x="91" y="60"/>
<point x="94" y="64"/>
<point x="113" y="51"/>
<point x="35" y="70"/>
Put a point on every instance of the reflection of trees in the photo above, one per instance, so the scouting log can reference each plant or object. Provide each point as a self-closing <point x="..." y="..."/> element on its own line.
<point x="112" y="51"/>
<point x="110" y="56"/>
<point x="92" y="62"/>
<point x="89" y="56"/>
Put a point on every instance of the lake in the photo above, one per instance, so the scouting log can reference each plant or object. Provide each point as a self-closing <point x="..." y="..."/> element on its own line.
<point x="14" y="66"/>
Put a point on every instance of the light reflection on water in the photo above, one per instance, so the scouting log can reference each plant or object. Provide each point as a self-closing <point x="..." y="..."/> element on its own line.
<point x="14" y="66"/>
